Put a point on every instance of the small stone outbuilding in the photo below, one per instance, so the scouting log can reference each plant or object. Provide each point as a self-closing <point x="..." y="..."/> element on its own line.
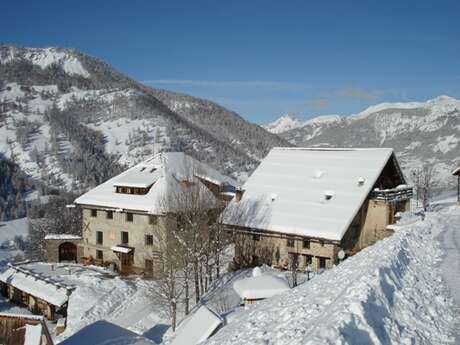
<point x="63" y="247"/>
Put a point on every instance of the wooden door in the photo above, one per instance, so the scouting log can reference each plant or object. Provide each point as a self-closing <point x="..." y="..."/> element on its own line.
<point x="67" y="252"/>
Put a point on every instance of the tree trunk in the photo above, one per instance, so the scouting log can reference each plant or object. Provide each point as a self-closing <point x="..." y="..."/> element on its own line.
<point x="195" y="276"/>
<point x="217" y="265"/>
<point x="187" y="296"/>
<point x="173" y="316"/>
<point x="201" y="277"/>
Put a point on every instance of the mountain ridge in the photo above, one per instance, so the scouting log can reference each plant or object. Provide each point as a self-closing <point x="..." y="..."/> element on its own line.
<point x="421" y="133"/>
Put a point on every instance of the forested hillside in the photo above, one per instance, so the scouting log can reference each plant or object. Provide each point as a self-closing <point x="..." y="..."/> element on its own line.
<point x="71" y="121"/>
<point x="14" y="186"/>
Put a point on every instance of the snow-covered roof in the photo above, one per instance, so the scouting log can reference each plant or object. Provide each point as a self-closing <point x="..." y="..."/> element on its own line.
<point x="260" y="286"/>
<point x="198" y="327"/>
<point x="312" y="192"/>
<point x="62" y="237"/>
<point x="163" y="172"/>
<point x="119" y="249"/>
<point x="35" y="286"/>
<point x="23" y="316"/>
<point x="103" y="332"/>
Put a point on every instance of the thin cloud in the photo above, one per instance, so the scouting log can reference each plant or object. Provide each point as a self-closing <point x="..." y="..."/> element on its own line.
<point x="270" y="84"/>
<point x="356" y="93"/>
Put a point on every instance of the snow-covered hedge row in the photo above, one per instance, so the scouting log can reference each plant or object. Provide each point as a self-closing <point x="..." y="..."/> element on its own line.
<point x="390" y="293"/>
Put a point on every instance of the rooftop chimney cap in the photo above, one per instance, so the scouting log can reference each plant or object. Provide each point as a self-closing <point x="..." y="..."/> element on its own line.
<point x="328" y="194"/>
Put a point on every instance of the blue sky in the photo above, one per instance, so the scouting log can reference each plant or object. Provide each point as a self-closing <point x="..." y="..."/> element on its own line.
<point x="261" y="58"/>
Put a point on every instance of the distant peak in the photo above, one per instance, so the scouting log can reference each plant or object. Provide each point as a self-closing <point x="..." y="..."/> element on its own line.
<point x="285" y="123"/>
<point x="443" y="98"/>
<point x="290" y="116"/>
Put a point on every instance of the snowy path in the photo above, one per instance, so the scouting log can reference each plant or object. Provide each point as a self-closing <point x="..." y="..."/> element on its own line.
<point x="450" y="243"/>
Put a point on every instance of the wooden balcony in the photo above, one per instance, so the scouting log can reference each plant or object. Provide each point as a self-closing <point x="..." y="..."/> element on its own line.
<point x="392" y="195"/>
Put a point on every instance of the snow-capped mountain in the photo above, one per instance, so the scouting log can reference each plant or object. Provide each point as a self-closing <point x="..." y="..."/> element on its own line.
<point x="420" y="132"/>
<point x="289" y="122"/>
<point x="285" y="123"/>
<point x="71" y="120"/>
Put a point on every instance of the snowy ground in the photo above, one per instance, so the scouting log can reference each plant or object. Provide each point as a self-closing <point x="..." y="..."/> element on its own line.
<point x="403" y="290"/>
<point x="391" y="293"/>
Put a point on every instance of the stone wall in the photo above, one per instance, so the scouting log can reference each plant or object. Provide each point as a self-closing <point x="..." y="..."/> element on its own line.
<point x="111" y="229"/>
<point x="368" y="226"/>
<point x="275" y="248"/>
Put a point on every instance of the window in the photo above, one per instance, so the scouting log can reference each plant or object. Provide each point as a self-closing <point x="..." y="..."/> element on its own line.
<point x="322" y="262"/>
<point x="93" y="213"/>
<point x="290" y="242"/>
<point x="99" y="237"/>
<point x="306" y="244"/>
<point x="129" y="217"/>
<point x="321" y="243"/>
<point x="308" y="260"/>
<point x="149" y="240"/>
<point x="109" y="215"/>
<point x="99" y="255"/>
<point x="124" y="237"/>
<point x="256" y="237"/>
<point x="153" y="220"/>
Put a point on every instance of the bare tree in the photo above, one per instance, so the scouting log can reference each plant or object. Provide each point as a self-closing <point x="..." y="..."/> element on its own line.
<point x="425" y="184"/>
<point x="294" y="267"/>
<point x="193" y="240"/>
<point x="168" y="287"/>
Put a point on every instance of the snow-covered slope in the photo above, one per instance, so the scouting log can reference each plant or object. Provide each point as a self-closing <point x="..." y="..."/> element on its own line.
<point x="66" y="116"/>
<point x="389" y="293"/>
<point x="419" y="132"/>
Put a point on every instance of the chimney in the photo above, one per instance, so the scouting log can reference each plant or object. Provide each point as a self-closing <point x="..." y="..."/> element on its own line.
<point x="238" y="194"/>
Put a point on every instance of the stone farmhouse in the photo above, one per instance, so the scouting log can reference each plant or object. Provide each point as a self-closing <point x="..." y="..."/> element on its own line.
<point x="313" y="206"/>
<point x="122" y="215"/>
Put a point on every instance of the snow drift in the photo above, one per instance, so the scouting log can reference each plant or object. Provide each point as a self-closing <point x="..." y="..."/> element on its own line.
<point x="390" y="293"/>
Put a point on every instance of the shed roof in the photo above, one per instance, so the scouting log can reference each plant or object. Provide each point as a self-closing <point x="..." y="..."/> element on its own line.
<point x="312" y="192"/>
<point x="103" y="332"/>
<point x="62" y="237"/>
<point x="197" y="327"/>
<point x="163" y="172"/>
<point x="38" y="287"/>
